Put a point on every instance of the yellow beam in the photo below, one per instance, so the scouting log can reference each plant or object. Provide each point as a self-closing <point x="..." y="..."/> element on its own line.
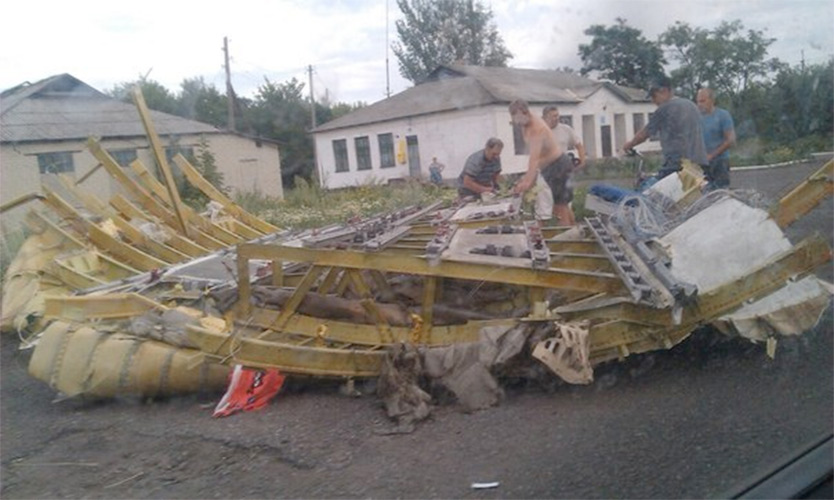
<point x="159" y="154"/>
<point x="566" y="279"/>
<point x="804" y="197"/>
<point x="364" y="334"/>
<point x="20" y="200"/>
<point x="192" y="217"/>
<point x="119" y="249"/>
<point x="215" y="194"/>
<point x="107" y="306"/>
<point x="200" y="245"/>
<point x="297" y="297"/>
<point x="289" y="358"/>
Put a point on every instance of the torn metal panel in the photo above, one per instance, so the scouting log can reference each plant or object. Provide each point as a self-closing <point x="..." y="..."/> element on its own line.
<point x="567" y="352"/>
<point x="722" y="243"/>
<point x="795" y="308"/>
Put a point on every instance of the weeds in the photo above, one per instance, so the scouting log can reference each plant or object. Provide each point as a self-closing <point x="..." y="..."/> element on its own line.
<point x="308" y="205"/>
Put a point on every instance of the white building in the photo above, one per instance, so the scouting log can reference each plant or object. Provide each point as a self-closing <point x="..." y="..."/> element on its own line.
<point x="454" y="112"/>
<point x="44" y="128"/>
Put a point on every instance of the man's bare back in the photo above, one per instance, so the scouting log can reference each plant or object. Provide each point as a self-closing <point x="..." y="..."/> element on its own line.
<point x="540" y="143"/>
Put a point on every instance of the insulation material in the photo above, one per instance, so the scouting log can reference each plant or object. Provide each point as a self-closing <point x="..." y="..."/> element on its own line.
<point x="23" y="279"/>
<point x="567" y="353"/>
<point x="26" y="300"/>
<point x="168" y="326"/>
<point x="152" y="230"/>
<point x="703" y="255"/>
<point x="399" y="387"/>
<point x="791" y="310"/>
<point x="86" y="361"/>
<point x="110" y="228"/>
<point x="464" y="368"/>
<point x="670" y="186"/>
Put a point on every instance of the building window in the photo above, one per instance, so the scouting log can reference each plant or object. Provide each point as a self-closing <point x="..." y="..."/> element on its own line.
<point x="124" y="157"/>
<point x="567" y="120"/>
<point x="386" y="150"/>
<point x="55" y="163"/>
<point x="518" y="141"/>
<point x="187" y="152"/>
<point x="340" y="155"/>
<point x="639" y="122"/>
<point x="363" y="153"/>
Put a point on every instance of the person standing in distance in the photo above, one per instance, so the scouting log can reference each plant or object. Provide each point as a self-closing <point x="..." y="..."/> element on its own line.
<point x="435" y="171"/>
<point x="719" y="137"/>
<point x="678" y="123"/>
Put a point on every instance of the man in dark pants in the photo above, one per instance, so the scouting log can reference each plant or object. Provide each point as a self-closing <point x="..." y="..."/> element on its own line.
<point x="678" y="122"/>
<point x="719" y="137"/>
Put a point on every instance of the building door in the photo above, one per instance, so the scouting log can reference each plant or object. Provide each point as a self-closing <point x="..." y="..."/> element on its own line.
<point x="605" y="137"/>
<point x="619" y="131"/>
<point x="589" y="136"/>
<point x="413" y="156"/>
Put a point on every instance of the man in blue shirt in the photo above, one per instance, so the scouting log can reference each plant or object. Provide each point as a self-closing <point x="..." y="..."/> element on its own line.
<point x="480" y="173"/>
<point x="719" y="137"/>
<point x="678" y="123"/>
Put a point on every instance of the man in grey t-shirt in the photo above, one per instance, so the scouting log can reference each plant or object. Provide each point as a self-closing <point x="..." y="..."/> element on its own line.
<point x="480" y="173"/>
<point x="678" y="123"/>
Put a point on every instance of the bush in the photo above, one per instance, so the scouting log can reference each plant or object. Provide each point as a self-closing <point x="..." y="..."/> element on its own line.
<point x="10" y="243"/>
<point x="780" y="154"/>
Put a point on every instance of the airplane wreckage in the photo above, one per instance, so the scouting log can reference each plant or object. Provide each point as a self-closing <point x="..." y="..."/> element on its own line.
<point x="142" y="295"/>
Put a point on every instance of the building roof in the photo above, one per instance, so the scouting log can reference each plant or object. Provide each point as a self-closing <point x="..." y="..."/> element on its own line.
<point x="454" y="87"/>
<point x="62" y="107"/>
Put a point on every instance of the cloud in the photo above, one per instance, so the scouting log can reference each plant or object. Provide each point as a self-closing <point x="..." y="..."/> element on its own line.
<point x="105" y="43"/>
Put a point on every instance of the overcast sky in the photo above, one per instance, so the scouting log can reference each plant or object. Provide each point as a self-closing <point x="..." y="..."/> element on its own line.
<point x="104" y="43"/>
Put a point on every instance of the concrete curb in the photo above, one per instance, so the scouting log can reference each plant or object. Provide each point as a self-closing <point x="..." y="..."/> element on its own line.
<point x="783" y="164"/>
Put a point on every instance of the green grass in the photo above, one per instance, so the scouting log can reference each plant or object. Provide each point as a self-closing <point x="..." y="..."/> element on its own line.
<point x="308" y="205"/>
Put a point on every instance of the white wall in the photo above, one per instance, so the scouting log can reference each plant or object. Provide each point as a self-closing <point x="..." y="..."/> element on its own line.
<point x="452" y="136"/>
<point x="247" y="166"/>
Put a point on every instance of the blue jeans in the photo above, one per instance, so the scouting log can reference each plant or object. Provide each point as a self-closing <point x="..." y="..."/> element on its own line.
<point x="718" y="173"/>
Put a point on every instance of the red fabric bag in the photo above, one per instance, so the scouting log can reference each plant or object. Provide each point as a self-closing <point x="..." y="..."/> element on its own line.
<point x="249" y="389"/>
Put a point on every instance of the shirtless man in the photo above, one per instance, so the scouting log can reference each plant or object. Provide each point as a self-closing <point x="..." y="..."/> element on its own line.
<point x="545" y="159"/>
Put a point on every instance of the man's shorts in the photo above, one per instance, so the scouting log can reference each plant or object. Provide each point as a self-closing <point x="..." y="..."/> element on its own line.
<point x="556" y="175"/>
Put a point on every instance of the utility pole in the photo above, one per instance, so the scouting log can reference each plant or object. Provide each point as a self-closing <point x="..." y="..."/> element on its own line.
<point x="312" y="97"/>
<point x="230" y="93"/>
<point x="387" y="73"/>
<point x="313" y="122"/>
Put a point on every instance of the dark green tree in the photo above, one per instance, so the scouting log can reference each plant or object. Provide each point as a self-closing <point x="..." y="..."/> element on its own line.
<point x="205" y="163"/>
<point x="280" y="112"/>
<point x="726" y="58"/>
<point x="804" y="98"/>
<point x="156" y="95"/>
<point x="436" y="32"/>
<point x="621" y="54"/>
<point x="202" y="102"/>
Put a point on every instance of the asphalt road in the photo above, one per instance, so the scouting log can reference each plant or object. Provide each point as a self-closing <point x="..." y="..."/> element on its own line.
<point x="692" y="422"/>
